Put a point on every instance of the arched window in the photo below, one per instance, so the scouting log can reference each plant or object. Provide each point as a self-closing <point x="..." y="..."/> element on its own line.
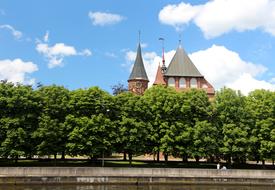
<point x="193" y="83"/>
<point x="171" y="82"/>
<point x="182" y="83"/>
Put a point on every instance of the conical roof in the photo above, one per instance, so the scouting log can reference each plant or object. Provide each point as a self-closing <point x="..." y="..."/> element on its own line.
<point x="159" y="77"/>
<point x="138" y="71"/>
<point x="181" y="65"/>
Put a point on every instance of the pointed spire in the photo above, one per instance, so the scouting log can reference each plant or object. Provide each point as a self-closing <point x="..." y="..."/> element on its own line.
<point x="159" y="77"/>
<point x="138" y="71"/>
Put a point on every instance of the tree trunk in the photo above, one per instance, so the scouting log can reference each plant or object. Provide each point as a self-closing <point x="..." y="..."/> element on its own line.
<point x="102" y="159"/>
<point x="124" y="156"/>
<point x="54" y="159"/>
<point x="16" y="159"/>
<point x="197" y="159"/>
<point x="63" y="155"/>
<point x="211" y="159"/>
<point x="243" y="160"/>
<point x="272" y="161"/>
<point x="263" y="161"/>
<point x="229" y="160"/>
<point x="185" y="159"/>
<point x="157" y="156"/>
<point x="166" y="158"/>
<point x="130" y="158"/>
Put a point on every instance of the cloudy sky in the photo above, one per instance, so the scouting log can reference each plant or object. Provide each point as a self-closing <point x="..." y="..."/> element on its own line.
<point x="86" y="43"/>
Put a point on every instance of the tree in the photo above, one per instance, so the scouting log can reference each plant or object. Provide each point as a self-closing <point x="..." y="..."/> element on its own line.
<point x="232" y="124"/>
<point x="132" y="136"/>
<point x="261" y="107"/>
<point x="91" y="101"/>
<point x="90" y="136"/>
<point x="204" y="140"/>
<point x="19" y="113"/>
<point x="118" y="89"/>
<point x="52" y="135"/>
<point x="131" y="124"/>
<point x="49" y="136"/>
<point x="163" y="109"/>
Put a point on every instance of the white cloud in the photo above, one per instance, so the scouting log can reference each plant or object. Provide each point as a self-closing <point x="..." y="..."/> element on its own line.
<point x="16" y="34"/>
<point x="223" y="67"/>
<point x="178" y="15"/>
<point x="16" y="71"/>
<point x="272" y="80"/>
<point x="246" y="83"/>
<point x="56" y="53"/>
<point x="110" y="54"/>
<point x="85" y="52"/>
<point x="217" y="17"/>
<point x="220" y="66"/>
<point x="143" y="45"/>
<point x="102" y="18"/>
<point x="46" y="37"/>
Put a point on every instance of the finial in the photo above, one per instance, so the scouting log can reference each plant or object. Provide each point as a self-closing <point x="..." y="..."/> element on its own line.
<point x="179" y="40"/>
<point x="139" y="36"/>
<point x="163" y="60"/>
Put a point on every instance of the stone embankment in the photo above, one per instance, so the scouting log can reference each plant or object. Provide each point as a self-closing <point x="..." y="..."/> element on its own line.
<point x="139" y="176"/>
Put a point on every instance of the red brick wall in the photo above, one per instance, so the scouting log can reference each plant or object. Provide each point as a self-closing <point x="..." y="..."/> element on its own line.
<point x="202" y="83"/>
<point x="137" y="86"/>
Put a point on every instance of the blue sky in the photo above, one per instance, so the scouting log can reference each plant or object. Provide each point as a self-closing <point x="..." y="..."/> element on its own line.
<point x="86" y="43"/>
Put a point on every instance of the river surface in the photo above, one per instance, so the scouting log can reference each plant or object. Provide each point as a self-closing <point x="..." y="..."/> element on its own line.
<point x="134" y="187"/>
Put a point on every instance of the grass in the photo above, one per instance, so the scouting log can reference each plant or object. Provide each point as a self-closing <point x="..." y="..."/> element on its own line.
<point x="118" y="162"/>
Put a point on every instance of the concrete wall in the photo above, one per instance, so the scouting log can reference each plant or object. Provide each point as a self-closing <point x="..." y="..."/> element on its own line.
<point x="17" y="175"/>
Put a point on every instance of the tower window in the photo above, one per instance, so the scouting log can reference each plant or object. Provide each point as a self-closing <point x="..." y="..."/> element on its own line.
<point x="193" y="83"/>
<point x="182" y="83"/>
<point x="171" y="82"/>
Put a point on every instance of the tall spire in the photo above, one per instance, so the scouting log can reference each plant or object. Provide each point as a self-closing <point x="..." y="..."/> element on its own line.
<point x="138" y="71"/>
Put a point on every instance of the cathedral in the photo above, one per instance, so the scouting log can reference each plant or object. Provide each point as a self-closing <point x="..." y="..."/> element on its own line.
<point x="181" y="74"/>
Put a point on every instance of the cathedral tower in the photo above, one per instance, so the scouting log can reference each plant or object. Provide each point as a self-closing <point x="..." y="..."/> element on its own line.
<point x="138" y="80"/>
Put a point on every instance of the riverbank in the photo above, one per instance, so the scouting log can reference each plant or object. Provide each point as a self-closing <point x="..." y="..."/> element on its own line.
<point x="97" y="175"/>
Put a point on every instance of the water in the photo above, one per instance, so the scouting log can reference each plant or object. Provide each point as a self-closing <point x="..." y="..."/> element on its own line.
<point x="134" y="187"/>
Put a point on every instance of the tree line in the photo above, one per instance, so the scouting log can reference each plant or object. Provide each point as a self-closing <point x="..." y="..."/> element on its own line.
<point x="52" y="120"/>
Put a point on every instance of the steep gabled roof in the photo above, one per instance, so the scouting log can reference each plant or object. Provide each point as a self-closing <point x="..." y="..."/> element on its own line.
<point x="181" y="65"/>
<point x="159" y="77"/>
<point x="138" y="71"/>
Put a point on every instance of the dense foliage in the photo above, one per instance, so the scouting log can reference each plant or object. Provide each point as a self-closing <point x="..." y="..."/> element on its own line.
<point x="51" y="120"/>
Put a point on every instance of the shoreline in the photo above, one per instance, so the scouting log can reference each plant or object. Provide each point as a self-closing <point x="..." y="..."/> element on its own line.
<point x="133" y="176"/>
